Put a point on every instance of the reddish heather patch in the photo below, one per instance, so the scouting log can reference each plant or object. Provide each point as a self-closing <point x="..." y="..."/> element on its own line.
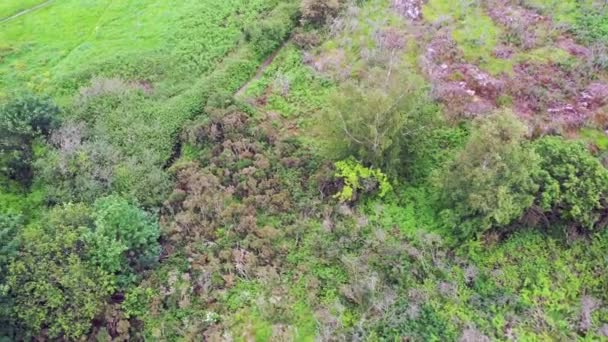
<point x="390" y="39"/>
<point x="518" y="21"/>
<point x="463" y="88"/>
<point x="410" y="9"/>
<point x="482" y="83"/>
<point x="441" y="53"/>
<point x="442" y="49"/>
<point x="513" y="16"/>
<point x="503" y="52"/>
<point x="541" y="85"/>
<point x="543" y="88"/>
<point x="573" y="48"/>
<point x="550" y="97"/>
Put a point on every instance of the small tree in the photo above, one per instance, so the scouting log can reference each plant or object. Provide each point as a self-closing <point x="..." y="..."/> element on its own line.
<point x="491" y="182"/>
<point x="574" y="184"/>
<point x="21" y="121"/>
<point x="371" y="121"/>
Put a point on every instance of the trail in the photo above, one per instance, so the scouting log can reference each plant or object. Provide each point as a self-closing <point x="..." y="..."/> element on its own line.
<point x="261" y="69"/>
<point x="24" y="12"/>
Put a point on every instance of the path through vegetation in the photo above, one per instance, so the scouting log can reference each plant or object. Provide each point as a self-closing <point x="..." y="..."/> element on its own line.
<point x="26" y="11"/>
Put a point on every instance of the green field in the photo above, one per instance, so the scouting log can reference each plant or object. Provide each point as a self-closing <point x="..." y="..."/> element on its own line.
<point x="117" y="37"/>
<point x="10" y="8"/>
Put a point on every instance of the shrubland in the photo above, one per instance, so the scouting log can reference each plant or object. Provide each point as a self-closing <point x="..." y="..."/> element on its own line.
<point x="262" y="170"/>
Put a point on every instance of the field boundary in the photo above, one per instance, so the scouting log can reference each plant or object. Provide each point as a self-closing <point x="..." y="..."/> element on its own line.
<point x="25" y="11"/>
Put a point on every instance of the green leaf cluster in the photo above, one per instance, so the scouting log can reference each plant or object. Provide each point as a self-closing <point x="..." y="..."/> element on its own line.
<point x="358" y="178"/>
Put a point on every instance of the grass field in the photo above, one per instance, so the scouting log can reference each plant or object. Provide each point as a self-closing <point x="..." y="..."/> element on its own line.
<point x="115" y="36"/>
<point x="9" y="8"/>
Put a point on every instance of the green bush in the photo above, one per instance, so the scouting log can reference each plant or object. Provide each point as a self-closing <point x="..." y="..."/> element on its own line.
<point x="573" y="183"/>
<point x="10" y="225"/>
<point x="56" y="291"/>
<point x="123" y="235"/>
<point x="491" y="182"/>
<point x="591" y="26"/>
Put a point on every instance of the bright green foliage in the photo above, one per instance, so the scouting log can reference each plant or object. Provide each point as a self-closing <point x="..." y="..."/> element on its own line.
<point x="490" y="183"/>
<point x="358" y="178"/>
<point x="21" y="121"/>
<point x="52" y="283"/>
<point x="123" y="235"/>
<point x="573" y="183"/>
<point x="595" y="137"/>
<point x="592" y="26"/>
<point x="295" y="89"/>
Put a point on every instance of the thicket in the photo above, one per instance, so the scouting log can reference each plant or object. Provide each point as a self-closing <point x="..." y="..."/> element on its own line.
<point x="375" y="118"/>
<point x="70" y="262"/>
<point x="491" y="181"/>
<point x="500" y="178"/>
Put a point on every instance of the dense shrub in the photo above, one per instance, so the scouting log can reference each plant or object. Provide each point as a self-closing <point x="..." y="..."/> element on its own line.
<point x="56" y="291"/>
<point x="319" y="11"/>
<point x="574" y="184"/>
<point x="591" y="26"/>
<point x="82" y="167"/>
<point x="123" y="236"/>
<point x="268" y="34"/>
<point x="22" y="120"/>
<point x="10" y="225"/>
<point x="491" y="182"/>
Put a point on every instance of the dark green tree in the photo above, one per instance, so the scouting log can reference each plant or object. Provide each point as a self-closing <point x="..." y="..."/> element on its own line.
<point x="10" y="225"/>
<point x="21" y="121"/>
<point x="574" y="184"/>
<point x="491" y="182"/>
